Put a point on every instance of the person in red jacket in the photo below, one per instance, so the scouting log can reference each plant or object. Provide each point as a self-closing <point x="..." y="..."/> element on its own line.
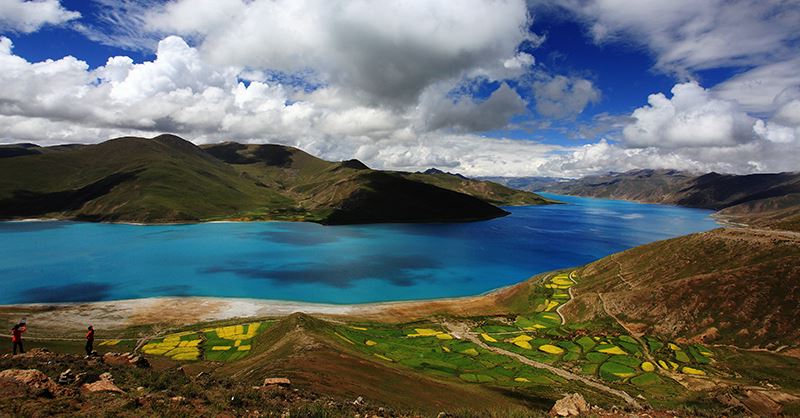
<point x="89" y="341"/>
<point x="16" y="337"/>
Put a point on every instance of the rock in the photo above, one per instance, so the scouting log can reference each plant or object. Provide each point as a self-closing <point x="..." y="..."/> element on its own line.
<point x="115" y="359"/>
<point x="139" y="361"/>
<point x="570" y="405"/>
<point x="178" y="399"/>
<point x="32" y="381"/>
<point x="359" y="401"/>
<point x="101" y="386"/>
<point x="66" y="377"/>
<point x="107" y="377"/>
<point x="277" y="381"/>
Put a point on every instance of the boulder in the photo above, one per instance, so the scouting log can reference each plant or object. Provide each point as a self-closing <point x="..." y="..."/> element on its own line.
<point x="570" y="406"/>
<point x="32" y="381"/>
<point x="101" y="386"/>
<point x="125" y="359"/>
<point x="139" y="361"/>
<point x="66" y="377"/>
<point x="277" y="381"/>
<point x="105" y="384"/>
<point x="116" y="359"/>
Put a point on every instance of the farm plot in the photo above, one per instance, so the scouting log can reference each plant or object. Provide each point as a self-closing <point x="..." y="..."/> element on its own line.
<point x="431" y="349"/>
<point x="229" y="343"/>
<point x="540" y="336"/>
<point x="226" y="343"/>
<point x="178" y="346"/>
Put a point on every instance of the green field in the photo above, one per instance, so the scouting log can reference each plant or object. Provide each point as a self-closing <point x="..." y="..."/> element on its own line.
<point x="224" y="343"/>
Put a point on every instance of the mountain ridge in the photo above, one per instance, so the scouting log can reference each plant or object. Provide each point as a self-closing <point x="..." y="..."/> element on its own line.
<point x="169" y="179"/>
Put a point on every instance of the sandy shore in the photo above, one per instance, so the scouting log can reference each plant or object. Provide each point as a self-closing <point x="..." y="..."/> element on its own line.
<point x="46" y="320"/>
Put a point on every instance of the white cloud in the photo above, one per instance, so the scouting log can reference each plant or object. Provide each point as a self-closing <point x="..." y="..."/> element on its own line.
<point x="388" y="54"/>
<point x="691" y="118"/>
<point x="764" y="88"/>
<point x="28" y="16"/>
<point x="58" y="101"/>
<point x="604" y="156"/>
<point x="689" y="35"/>
<point x="563" y="97"/>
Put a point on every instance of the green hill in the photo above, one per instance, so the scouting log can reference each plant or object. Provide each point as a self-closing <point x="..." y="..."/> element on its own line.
<point x="168" y="179"/>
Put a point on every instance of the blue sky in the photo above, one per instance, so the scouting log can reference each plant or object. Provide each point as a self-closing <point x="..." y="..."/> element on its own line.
<point x="482" y="87"/>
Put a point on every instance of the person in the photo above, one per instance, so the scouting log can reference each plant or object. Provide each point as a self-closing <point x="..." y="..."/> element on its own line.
<point x="89" y="341"/>
<point x="16" y="337"/>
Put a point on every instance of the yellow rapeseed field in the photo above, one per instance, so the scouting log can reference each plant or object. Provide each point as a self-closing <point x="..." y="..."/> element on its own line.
<point x="613" y="350"/>
<point x="551" y="349"/>
<point x="691" y="370"/>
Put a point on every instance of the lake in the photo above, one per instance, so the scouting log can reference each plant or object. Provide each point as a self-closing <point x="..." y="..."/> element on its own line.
<point x="55" y="261"/>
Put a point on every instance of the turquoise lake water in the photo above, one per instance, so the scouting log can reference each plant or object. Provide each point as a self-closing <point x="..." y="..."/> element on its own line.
<point x="75" y="262"/>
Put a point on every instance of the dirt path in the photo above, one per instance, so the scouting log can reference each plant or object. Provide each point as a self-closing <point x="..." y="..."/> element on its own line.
<point x="460" y="330"/>
<point x="571" y="296"/>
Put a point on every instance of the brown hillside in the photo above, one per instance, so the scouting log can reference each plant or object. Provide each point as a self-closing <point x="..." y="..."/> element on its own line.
<point x="727" y="286"/>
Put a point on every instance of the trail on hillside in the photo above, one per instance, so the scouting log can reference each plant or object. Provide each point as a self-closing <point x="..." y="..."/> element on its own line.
<point x="571" y="297"/>
<point x="460" y="330"/>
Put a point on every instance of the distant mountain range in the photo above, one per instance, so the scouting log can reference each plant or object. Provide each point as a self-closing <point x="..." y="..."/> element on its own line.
<point x="758" y="199"/>
<point x="168" y="179"/>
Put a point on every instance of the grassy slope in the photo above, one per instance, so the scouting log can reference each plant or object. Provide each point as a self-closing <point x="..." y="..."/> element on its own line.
<point x="485" y="190"/>
<point x="167" y="179"/>
<point x="731" y="286"/>
<point x="349" y="192"/>
<point x="306" y="350"/>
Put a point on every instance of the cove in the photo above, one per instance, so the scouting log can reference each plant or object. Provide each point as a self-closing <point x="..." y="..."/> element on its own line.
<point x="58" y="261"/>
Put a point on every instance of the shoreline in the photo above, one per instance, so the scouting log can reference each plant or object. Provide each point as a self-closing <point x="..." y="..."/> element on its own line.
<point x="55" y="318"/>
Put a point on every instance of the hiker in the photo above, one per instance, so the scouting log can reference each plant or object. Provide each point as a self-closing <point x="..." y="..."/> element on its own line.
<point x="89" y="341"/>
<point x="16" y="337"/>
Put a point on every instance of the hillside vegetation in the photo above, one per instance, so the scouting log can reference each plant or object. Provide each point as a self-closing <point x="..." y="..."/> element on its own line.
<point x="168" y="179"/>
<point x="726" y="286"/>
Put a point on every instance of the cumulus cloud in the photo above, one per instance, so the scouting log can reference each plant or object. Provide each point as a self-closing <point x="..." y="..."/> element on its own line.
<point x="688" y="35"/>
<point x="57" y="101"/>
<point x="387" y="54"/>
<point x="691" y="118"/>
<point x="28" y="16"/>
<point x="693" y="130"/>
<point x="561" y="97"/>
<point x="604" y="156"/>
<point x="466" y="114"/>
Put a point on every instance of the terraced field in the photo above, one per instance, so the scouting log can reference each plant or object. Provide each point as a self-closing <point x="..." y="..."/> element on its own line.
<point x="535" y="350"/>
<point x="540" y="335"/>
<point x="429" y="348"/>
<point x="225" y="343"/>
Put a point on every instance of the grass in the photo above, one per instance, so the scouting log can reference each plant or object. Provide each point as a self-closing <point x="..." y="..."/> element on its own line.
<point x="144" y="180"/>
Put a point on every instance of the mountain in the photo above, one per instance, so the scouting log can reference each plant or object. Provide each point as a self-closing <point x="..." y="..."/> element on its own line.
<point x="489" y="191"/>
<point x="168" y="179"/>
<point x="531" y="184"/>
<point x="770" y="199"/>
